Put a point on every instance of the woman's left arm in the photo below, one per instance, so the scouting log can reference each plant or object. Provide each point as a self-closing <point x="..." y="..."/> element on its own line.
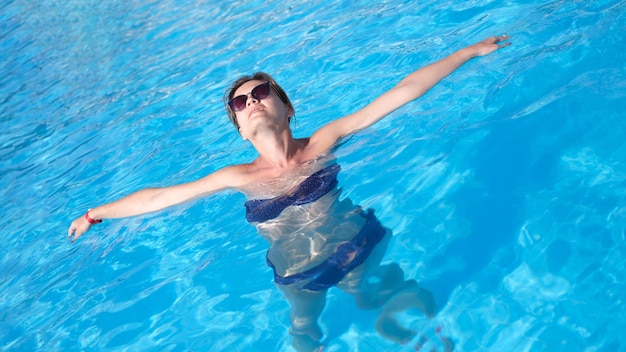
<point x="410" y="88"/>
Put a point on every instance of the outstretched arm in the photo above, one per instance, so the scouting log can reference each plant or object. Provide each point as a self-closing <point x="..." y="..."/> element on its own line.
<point x="153" y="199"/>
<point x="410" y="88"/>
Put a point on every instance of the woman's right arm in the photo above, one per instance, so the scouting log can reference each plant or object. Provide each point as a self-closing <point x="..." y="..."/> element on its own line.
<point x="153" y="199"/>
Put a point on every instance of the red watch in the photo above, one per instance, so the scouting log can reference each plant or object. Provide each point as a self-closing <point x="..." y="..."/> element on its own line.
<point x="90" y="220"/>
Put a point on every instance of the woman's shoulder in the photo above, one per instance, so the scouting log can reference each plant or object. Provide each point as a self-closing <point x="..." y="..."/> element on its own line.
<point x="239" y="174"/>
<point x="232" y="176"/>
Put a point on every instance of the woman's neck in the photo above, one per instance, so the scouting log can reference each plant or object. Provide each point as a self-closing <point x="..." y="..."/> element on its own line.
<point x="277" y="149"/>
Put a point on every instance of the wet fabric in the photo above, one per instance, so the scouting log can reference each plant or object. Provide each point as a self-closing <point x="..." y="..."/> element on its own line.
<point x="347" y="257"/>
<point x="310" y="190"/>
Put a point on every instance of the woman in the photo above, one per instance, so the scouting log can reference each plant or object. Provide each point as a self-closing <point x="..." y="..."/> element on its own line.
<point x="317" y="240"/>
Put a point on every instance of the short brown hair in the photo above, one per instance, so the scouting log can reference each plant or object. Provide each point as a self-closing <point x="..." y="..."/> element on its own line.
<point x="257" y="76"/>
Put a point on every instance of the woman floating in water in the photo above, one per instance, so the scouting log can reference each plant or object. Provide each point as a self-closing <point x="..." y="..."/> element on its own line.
<point x="317" y="240"/>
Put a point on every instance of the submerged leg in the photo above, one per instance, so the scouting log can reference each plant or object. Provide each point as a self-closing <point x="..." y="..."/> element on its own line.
<point x="373" y="284"/>
<point x="410" y="296"/>
<point x="379" y="286"/>
<point x="306" y="308"/>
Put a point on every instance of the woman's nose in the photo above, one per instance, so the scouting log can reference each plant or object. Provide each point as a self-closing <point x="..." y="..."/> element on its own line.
<point x="251" y="99"/>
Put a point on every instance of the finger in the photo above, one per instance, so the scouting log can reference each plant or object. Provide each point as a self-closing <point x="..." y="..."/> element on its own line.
<point x="492" y="40"/>
<point x="502" y="38"/>
<point x="70" y="231"/>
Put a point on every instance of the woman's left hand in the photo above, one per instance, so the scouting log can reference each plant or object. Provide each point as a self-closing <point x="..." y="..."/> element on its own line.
<point x="489" y="45"/>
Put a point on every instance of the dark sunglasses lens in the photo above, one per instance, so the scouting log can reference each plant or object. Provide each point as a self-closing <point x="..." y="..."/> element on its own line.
<point x="261" y="91"/>
<point x="238" y="103"/>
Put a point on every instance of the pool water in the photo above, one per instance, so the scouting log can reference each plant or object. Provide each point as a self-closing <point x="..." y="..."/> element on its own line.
<point x="504" y="185"/>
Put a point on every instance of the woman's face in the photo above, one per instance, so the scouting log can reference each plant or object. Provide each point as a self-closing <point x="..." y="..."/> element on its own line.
<point x="260" y="110"/>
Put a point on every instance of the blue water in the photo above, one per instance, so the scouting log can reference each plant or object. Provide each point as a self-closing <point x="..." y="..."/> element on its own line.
<point x="504" y="185"/>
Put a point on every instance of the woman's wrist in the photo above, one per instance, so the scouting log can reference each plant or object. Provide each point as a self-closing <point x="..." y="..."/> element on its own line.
<point x="90" y="219"/>
<point x="468" y="52"/>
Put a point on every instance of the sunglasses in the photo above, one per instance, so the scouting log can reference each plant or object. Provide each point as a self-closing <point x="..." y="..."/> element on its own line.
<point x="259" y="92"/>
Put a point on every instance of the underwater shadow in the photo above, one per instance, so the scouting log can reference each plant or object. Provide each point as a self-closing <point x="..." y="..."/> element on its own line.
<point x="507" y="165"/>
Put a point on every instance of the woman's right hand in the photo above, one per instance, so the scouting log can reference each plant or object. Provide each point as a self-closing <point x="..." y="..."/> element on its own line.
<point x="78" y="228"/>
<point x="154" y="199"/>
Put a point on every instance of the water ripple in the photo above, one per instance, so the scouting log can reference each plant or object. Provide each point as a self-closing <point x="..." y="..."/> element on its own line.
<point x="496" y="183"/>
